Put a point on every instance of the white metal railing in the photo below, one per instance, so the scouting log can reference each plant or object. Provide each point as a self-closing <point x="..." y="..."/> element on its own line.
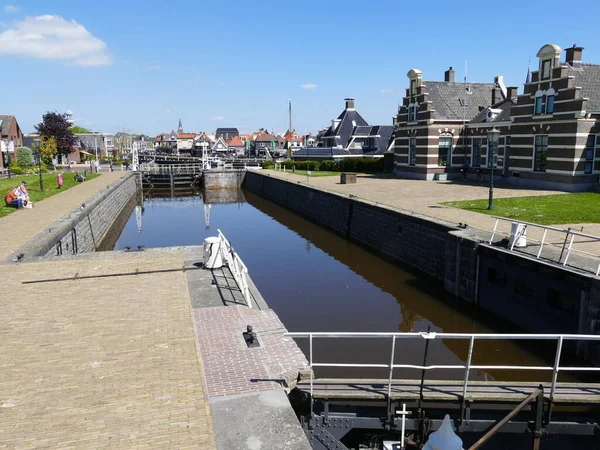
<point x="167" y="169"/>
<point x="236" y="266"/>
<point x="467" y="366"/>
<point x="567" y="235"/>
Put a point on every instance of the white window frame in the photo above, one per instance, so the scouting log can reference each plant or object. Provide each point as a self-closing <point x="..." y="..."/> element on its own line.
<point x="595" y="143"/>
<point x="534" y="153"/>
<point x="544" y="75"/>
<point x="480" y="143"/>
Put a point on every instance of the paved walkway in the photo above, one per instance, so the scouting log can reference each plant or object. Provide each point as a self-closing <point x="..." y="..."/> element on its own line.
<point x="21" y="226"/>
<point x="101" y="361"/>
<point x="424" y="197"/>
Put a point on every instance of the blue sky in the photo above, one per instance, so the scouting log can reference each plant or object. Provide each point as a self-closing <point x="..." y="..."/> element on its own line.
<point x="141" y="65"/>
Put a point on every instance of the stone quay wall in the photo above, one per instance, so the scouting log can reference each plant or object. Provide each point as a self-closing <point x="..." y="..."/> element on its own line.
<point x="84" y="229"/>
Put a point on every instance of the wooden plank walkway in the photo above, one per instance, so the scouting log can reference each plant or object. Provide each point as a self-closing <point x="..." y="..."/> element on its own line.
<point x="446" y="390"/>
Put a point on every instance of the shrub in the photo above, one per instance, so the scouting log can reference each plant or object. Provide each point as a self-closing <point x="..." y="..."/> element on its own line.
<point x="267" y="164"/>
<point x="24" y="156"/>
<point x="15" y="168"/>
<point x="328" y="165"/>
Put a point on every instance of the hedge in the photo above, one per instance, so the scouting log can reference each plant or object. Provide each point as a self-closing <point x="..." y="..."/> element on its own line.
<point x="365" y="165"/>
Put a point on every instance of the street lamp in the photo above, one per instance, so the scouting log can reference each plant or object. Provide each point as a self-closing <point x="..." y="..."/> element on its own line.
<point x="493" y="136"/>
<point x="36" y="146"/>
<point x="7" y="146"/>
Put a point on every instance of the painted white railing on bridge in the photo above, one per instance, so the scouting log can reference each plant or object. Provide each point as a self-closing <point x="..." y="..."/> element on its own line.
<point x="566" y="240"/>
<point x="466" y="367"/>
<point x="236" y="266"/>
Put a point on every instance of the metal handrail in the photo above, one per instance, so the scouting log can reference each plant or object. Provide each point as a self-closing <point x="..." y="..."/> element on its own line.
<point x="472" y="337"/>
<point x="236" y="266"/>
<point x="569" y="237"/>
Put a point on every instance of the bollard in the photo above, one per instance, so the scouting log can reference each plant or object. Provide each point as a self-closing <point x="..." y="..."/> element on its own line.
<point x="445" y="438"/>
<point x="212" y="254"/>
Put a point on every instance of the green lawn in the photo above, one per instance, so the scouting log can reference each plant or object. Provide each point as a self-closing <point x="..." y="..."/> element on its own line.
<point x="546" y="209"/>
<point x="33" y="187"/>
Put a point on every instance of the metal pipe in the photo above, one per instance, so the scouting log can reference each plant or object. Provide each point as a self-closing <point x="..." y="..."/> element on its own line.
<point x="542" y="243"/>
<point x="468" y="368"/>
<point x="486" y="437"/>
<point x="390" y="377"/>
<point x="424" y="364"/>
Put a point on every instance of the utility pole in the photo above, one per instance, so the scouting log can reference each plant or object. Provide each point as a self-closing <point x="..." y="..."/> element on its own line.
<point x="291" y="132"/>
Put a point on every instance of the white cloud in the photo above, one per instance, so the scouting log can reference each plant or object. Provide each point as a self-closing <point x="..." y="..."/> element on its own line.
<point x="155" y="67"/>
<point x="386" y="91"/>
<point x="52" y="37"/>
<point x="11" y="9"/>
<point x="218" y="118"/>
<point x="308" y="86"/>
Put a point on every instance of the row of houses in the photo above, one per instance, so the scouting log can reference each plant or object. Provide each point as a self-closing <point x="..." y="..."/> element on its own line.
<point x="549" y="135"/>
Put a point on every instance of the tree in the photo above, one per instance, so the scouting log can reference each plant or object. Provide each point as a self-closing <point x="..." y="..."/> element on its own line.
<point x="48" y="149"/>
<point x="24" y="156"/>
<point x="76" y="129"/>
<point x="56" y="125"/>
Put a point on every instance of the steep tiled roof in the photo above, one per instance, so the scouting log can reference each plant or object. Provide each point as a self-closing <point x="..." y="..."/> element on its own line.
<point x="382" y="134"/>
<point x="227" y="130"/>
<point x="6" y="122"/>
<point x="235" y="142"/>
<point x="445" y="97"/>
<point x="266" y="137"/>
<point x="89" y="141"/>
<point x="587" y="77"/>
<point x="349" y="119"/>
<point x="186" y="136"/>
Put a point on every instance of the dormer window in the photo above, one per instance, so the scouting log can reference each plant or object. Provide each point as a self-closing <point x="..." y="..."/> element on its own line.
<point x="546" y="65"/>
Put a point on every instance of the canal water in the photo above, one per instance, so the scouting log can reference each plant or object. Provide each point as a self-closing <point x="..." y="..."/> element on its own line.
<point x="318" y="281"/>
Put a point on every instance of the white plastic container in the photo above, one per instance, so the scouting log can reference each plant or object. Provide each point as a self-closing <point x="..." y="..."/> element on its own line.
<point x="212" y="255"/>
<point x="519" y="231"/>
<point x="445" y="438"/>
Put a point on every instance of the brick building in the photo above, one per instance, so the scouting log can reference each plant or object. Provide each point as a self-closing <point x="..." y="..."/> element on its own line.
<point x="549" y="134"/>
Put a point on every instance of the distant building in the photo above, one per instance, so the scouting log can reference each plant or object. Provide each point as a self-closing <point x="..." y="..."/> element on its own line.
<point x="292" y="140"/>
<point x="350" y="136"/>
<point x="87" y="146"/>
<point x="429" y="127"/>
<point x="166" y="141"/>
<point x="264" y="142"/>
<point x="11" y="137"/>
<point x="227" y="133"/>
<point x="237" y="146"/>
<point x="141" y="144"/>
<point x="185" y="142"/>
<point x="220" y="145"/>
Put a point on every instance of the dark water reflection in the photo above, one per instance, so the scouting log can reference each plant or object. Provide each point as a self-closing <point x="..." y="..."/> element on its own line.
<point x="318" y="281"/>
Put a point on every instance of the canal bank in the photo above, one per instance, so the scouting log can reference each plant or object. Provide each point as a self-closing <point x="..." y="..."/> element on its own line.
<point x="538" y="296"/>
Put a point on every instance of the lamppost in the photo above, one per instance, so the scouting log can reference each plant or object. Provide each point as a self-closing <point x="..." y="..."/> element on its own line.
<point x="36" y="145"/>
<point x="493" y="136"/>
<point x="7" y="147"/>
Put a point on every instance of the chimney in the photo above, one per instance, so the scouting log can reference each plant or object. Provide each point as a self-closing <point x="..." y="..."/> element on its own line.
<point x="573" y="55"/>
<point x="449" y="75"/>
<point x="349" y="103"/>
<point x="496" y="95"/>
<point x="512" y="92"/>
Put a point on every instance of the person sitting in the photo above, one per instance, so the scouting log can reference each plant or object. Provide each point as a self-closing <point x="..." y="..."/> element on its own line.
<point x="23" y="190"/>
<point x="79" y="178"/>
<point x="14" y="199"/>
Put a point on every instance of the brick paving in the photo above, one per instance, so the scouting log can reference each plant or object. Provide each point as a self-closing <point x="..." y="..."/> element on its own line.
<point x="424" y="197"/>
<point x="230" y="367"/>
<point x="108" y="362"/>
<point x="21" y="226"/>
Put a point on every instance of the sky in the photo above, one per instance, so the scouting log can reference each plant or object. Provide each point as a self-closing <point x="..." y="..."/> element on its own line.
<point x="140" y="66"/>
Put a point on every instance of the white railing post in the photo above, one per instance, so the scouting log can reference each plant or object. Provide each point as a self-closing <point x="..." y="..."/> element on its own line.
<point x="569" y="250"/>
<point x="556" y="366"/>
<point x="494" y="231"/>
<point x="391" y="370"/>
<point x="310" y="364"/>
<point x="542" y="243"/>
<point x="468" y="368"/>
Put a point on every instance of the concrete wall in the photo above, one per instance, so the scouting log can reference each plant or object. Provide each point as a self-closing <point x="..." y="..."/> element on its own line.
<point x="84" y="229"/>
<point x="226" y="179"/>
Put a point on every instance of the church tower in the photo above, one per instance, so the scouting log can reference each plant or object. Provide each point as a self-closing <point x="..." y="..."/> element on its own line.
<point x="180" y="127"/>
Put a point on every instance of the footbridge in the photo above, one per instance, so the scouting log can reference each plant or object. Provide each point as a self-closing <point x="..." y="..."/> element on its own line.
<point x="405" y="411"/>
